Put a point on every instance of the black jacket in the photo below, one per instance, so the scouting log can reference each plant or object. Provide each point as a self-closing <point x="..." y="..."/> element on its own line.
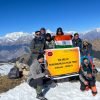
<point x="77" y="43"/>
<point x="84" y="71"/>
<point x="37" y="45"/>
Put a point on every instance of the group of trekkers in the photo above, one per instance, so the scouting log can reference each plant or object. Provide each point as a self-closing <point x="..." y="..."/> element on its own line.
<point x="38" y="72"/>
<point x="39" y="76"/>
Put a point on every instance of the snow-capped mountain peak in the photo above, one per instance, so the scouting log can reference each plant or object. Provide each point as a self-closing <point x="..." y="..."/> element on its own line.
<point x="49" y="31"/>
<point x="98" y="29"/>
<point x="15" y="35"/>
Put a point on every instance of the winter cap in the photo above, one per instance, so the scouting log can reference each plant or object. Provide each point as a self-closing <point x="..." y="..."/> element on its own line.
<point x="43" y="29"/>
<point x="36" y="32"/>
<point x="85" y="58"/>
<point x="76" y="34"/>
<point x="59" y="29"/>
<point x="48" y="35"/>
<point x="40" y="56"/>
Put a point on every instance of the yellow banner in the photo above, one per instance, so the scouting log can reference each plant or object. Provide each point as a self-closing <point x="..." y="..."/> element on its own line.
<point x="63" y="61"/>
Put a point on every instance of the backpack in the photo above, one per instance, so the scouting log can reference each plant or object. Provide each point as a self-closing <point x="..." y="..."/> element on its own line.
<point x="14" y="73"/>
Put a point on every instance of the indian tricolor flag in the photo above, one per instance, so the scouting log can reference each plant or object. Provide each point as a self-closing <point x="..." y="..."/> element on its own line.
<point x="63" y="41"/>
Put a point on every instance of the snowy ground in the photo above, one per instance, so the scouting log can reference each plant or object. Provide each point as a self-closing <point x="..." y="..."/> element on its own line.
<point x="64" y="91"/>
<point x="98" y="69"/>
<point x="4" y="69"/>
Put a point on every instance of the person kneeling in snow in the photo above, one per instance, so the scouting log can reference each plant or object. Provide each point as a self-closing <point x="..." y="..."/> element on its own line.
<point x="36" y="75"/>
<point x="87" y="77"/>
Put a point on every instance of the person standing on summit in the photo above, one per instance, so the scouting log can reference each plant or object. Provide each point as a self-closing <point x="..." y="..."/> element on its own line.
<point x="43" y="32"/>
<point x="77" y="42"/>
<point x="59" y="31"/>
<point x="37" y="45"/>
<point x="61" y="40"/>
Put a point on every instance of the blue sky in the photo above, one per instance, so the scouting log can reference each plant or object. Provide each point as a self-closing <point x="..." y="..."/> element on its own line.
<point x="31" y="15"/>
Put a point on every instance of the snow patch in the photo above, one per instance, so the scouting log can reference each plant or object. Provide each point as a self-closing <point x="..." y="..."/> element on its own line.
<point x="64" y="91"/>
<point x="98" y="69"/>
<point x="4" y="69"/>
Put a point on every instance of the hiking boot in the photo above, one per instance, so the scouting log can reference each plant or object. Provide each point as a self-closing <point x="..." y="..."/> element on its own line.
<point x="94" y="93"/>
<point x="41" y="97"/>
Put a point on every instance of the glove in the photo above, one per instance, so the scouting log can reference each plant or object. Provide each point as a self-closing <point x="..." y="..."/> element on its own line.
<point x="47" y="76"/>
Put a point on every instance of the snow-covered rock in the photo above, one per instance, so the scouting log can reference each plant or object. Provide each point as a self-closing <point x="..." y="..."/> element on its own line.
<point x="4" y="69"/>
<point x="98" y="69"/>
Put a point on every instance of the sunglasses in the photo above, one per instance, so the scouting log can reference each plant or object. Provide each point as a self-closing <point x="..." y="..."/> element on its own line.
<point x="86" y="63"/>
<point x="38" y="34"/>
<point x="76" y="36"/>
<point x="59" y="31"/>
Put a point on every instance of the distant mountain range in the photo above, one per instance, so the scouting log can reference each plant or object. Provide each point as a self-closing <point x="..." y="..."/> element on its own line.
<point x="16" y="44"/>
<point x="16" y="38"/>
<point x="92" y="35"/>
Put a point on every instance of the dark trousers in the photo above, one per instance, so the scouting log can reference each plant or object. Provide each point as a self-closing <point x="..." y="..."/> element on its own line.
<point x="37" y="84"/>
<point x="91" y="84"/>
